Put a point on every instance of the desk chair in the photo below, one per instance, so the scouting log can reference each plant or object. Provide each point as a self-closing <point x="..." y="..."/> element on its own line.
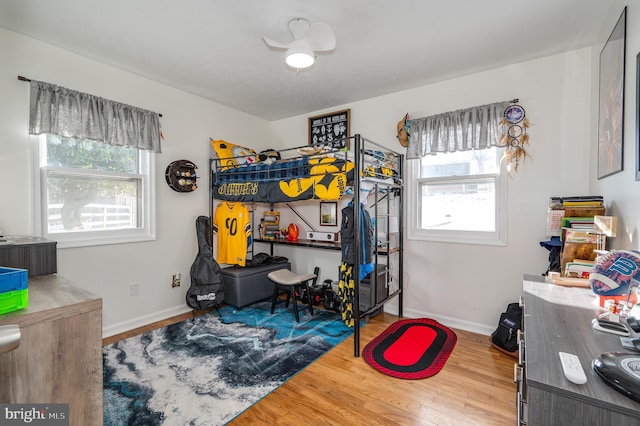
<point x="284" y="279"/>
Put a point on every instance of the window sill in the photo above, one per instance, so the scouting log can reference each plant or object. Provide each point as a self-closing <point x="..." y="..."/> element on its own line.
<point x="62" y="244"/>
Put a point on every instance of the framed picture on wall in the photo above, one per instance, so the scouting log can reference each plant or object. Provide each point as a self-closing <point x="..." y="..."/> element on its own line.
<point x="329" y="213"/>
<point x="611" y="104"/>
<point x="330" y="129"/>
<point x="638" y="116"/>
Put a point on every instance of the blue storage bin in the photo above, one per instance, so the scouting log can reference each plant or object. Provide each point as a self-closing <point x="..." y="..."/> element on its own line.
<point x="13" y="279"/>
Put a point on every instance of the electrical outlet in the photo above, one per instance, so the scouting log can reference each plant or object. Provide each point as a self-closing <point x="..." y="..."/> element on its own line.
<point x="133" y="289"/>
<point x="175" y="280"/>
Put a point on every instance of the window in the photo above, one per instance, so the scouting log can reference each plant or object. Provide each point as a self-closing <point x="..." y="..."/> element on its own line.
<point x="90" y="193"/>
<point x="458" y="197"/>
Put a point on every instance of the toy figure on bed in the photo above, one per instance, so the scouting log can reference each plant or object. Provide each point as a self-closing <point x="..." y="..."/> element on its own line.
<point x="349" y="252"/>
<point x="232" y="223"/>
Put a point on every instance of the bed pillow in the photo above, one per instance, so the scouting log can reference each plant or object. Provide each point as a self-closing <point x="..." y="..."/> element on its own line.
<point x="231" y="155"/>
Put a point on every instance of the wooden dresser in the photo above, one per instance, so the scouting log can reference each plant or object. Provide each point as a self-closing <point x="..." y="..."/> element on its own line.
<point x="59" y="359"/>
<point x="558" y="319"/>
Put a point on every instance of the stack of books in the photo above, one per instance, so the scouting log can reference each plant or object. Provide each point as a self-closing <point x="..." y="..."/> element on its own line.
<point x="584" y="206"/>
<point x="573" y="212"/>
<point x="572" y="219"/>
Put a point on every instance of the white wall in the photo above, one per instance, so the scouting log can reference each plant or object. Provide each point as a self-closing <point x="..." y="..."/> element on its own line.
<point x="462" y="286"/>
<point x="621" y="190"/>
<point x="467" y="286"/>
<point x="187" y="123"/>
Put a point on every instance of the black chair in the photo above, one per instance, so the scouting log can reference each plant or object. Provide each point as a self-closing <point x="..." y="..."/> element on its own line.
<point x="284" y="279"/>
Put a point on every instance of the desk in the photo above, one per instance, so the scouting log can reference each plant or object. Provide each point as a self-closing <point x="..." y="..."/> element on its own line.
<point x="326" y="245"/>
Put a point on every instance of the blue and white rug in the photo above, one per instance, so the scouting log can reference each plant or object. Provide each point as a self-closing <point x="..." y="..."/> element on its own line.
<point x="207" y="371"/>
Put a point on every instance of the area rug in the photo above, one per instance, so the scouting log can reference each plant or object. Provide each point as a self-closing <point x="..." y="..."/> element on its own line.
<point x="411" y="349"/>
<point x="209" y="370"/>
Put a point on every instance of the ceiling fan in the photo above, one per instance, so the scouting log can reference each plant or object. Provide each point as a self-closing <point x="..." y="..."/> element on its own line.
<point x="307" y="39"/>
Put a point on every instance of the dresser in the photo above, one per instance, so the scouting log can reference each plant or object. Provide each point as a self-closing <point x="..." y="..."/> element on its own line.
<point x="558" y="319"/>
<point x="59" y="359"/>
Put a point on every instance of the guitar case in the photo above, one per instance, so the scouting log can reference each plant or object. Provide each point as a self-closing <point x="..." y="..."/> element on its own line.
<point x="207" y="289"/>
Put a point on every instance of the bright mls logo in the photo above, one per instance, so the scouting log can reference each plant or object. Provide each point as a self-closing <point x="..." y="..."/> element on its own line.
<point x="34" y="414"/>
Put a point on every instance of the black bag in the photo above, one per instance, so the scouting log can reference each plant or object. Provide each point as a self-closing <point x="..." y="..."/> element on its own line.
<point x="207" y="288"/>
<point x="506" y="335"/>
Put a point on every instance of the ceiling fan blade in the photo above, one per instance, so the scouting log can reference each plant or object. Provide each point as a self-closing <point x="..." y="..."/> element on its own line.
<point x="320" y="37"/>
<point x="277" y="44"/>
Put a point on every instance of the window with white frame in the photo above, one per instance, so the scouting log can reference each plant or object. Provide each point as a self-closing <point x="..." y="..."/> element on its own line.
<point x="91" y="193"/>
<point x="456" y="191"/>
<point x="458" y="197"/>
<point x="93" y="165"/>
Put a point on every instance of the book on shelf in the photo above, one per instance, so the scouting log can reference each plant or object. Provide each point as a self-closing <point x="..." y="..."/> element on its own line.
<point x="575" y="229"/>
<point x="584" y="211"/>
<point x="578" y="269"/>
<point x="577" y="221"/>
<point x="572" y="235"/>
<point x="578" y="252"/>
<point x="554" y="223"/>
<point x="582" y="203"/>
<point x="578" y="198"/>
<point x="557" y="203"/>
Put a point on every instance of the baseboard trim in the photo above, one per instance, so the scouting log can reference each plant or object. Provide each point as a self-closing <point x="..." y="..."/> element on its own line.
<point x="121" y="327"/>
<point x="472" y="327"/>
<point x="392" y="308"/>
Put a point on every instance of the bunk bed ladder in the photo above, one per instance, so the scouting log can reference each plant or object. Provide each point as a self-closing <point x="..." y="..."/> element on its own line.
<point x="357" y="161"/>
<point x="397" y="189"/>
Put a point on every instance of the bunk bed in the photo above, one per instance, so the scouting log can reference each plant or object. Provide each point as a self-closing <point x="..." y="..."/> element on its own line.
<point x="352" y="167"/>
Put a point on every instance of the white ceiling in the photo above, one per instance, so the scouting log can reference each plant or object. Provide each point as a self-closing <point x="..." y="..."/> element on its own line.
<point x="214" y="48"/>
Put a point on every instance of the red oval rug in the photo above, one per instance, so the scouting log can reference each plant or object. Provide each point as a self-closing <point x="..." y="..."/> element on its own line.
<point x="411" y="349"/>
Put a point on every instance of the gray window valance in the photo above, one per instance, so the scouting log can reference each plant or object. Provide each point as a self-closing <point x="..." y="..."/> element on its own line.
<point x="461" y="130"/>
<point x="61" y="111"/>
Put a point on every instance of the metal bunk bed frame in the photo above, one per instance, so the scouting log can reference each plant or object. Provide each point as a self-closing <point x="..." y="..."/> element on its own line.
<point x="380" y="248"/>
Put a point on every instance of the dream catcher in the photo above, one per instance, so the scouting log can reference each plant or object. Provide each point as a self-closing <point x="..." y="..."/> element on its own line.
<point x="514" y="137"/>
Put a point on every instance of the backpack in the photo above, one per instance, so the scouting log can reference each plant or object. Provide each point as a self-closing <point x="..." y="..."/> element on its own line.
<point x="207" y="288"/>
<point x="505" y="337"/>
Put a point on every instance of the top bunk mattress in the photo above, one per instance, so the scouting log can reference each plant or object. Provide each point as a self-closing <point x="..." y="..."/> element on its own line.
<point x="286" y="180"/>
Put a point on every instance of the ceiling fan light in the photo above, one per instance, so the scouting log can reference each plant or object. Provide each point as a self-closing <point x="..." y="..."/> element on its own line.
<point x="299" y="58"/>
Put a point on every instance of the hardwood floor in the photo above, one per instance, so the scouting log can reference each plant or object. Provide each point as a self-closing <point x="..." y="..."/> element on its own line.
<point x="475" y="387"/>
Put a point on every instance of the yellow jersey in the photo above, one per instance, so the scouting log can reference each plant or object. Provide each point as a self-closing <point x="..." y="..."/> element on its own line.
<point x="232" y="223"/>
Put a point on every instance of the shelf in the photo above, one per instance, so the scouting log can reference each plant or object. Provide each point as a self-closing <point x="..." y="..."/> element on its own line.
<point x="327" y="245"/>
